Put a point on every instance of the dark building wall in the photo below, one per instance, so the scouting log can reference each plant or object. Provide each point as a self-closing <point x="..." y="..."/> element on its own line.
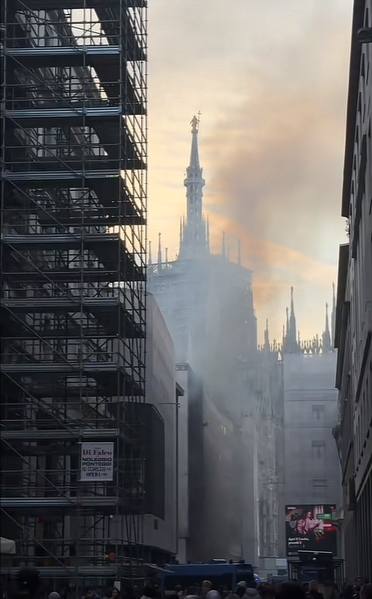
<point x="354" y="308"/>
<point x="312" y="472"/>
<point x="160" y="432"/>
<point x="270" y="454"/>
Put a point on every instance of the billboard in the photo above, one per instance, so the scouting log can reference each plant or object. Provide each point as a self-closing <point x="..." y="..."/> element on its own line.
<point x="310" y="528"/>
<point x="96" y="461"/>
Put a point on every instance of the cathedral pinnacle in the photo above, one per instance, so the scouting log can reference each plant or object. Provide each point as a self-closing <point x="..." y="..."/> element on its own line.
<point x="194" y="243"/>
<point x="326" y="337"/>
<point x="291" y="341"/>
<point x="159" y="253"/>
<point x="266" y="336"/>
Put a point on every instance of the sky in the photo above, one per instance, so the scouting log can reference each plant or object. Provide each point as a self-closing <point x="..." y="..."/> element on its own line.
<point x="270" y="80"/>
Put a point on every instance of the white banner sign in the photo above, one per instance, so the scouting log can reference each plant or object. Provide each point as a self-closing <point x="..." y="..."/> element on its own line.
<point x="97" y="461"/>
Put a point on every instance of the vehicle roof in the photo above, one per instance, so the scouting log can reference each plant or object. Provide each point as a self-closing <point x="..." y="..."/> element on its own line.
<point x="184" y="569"/>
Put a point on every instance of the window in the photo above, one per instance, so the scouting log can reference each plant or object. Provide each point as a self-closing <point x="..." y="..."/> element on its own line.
<point x="318" y="449"/>
<point x="320" y="483"/>
<point x="317" y="411"/>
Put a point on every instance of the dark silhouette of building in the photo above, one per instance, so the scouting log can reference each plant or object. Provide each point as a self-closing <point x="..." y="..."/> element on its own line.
<point x="354" y="307"/>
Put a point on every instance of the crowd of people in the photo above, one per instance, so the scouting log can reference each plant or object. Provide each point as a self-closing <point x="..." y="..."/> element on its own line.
<point x="361" y="589"/>
<point x="29" y="587"/>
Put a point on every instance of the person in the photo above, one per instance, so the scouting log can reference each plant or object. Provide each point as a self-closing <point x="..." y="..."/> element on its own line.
<point x="347" y="591"/>
<point x="266" y="591"/>
<point x="191" y="593"/>
<point x="329" y="590"/>
<point x="314" y="590"/>
<point x="90" y="594"/>
<point x="290" y="590"/>
<point x="28" y="584"/>
<point x="208" y="591"/>
<point x="359" y="583"/>
<point x="149" y="592"/>
<point x="178" y="589"/>
<point x="246" y="592"/>
<point x="366" y="591"/>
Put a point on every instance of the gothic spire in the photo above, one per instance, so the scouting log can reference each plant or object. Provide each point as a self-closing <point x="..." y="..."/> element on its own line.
<point x="159" y="253"/>
<point x="223" y="249"/>
<point x="326" y="337"/>
<point x="291" y="340"/>
<point x="287" y="322"/>
<point x="194" y="155"/>
<point x="239" y="253"/>
<point x="194" y="241"/>
<point x="266" y="336"/>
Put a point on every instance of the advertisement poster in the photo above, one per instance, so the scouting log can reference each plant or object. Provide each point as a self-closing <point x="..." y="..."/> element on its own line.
<point x="310" y="528"/>
<point x="96" y="461"/>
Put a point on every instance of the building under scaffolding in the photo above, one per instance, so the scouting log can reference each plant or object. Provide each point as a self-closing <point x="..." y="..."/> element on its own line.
<point x="73" y="212"/>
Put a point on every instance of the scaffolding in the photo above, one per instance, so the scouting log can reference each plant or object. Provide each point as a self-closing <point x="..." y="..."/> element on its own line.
<point x="73" y="214"/>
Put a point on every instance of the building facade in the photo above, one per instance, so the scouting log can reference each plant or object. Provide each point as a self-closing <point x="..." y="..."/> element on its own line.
<point x="73" y="217"/>
<point x="270" y="456"/>
<point x="354" y="306"/>
<point x="311" y="466"/>
<point x="160" y="525"/>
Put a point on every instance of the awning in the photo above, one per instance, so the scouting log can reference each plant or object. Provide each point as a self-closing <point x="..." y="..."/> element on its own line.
<point x="7" y="546"/>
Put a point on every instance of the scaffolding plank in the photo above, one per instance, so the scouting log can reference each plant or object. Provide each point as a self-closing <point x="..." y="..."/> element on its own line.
<point x="86" y="433"/>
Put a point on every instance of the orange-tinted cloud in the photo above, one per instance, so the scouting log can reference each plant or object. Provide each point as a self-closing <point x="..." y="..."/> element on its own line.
<point x="271" y="78"/>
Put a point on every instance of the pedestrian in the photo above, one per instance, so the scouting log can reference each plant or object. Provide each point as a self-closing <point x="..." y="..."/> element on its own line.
<point x="290" y="590"/>
<point x="208" y="591"/>
<point x="178" y="589"/>
<point x="149" y="593"/>
<point x="90" y="593"/>
<point x="347" y="591"/>
<point x="266" y="590"/>
<point x="366" y="591"/>
<point x="246" y="592"/>
<point x="329" y="590"/>
<point x="314" y="590"/>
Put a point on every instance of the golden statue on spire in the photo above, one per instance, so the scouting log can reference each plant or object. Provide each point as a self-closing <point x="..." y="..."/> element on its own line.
<point x="195" y="123"/>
